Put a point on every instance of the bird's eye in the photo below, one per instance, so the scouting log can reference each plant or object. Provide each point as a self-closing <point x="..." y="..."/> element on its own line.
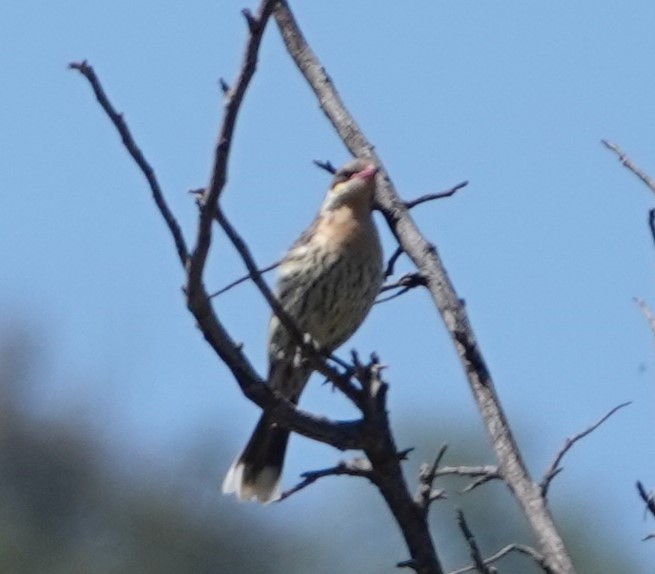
<point x="347" y="174"/>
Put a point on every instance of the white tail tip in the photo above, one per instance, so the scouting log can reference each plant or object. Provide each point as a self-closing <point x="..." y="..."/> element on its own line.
<point x="265" y="488"/>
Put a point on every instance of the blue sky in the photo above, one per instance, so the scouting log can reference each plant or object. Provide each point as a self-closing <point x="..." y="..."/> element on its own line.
<point x="548" y="244"/>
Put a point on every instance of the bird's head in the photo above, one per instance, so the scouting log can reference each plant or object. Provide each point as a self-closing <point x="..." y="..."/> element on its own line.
<point x="353" y="185"/>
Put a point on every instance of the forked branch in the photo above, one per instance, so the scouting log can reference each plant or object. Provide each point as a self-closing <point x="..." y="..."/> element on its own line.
<point x="649" y="500"/>
<point x="555" y="467"/>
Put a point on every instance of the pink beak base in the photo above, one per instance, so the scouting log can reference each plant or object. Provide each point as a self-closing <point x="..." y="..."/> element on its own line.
<point x="367" y="172"/>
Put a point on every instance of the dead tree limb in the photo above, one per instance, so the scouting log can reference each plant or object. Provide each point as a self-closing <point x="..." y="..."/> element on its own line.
<point x="649" y="500"/>
<point x="356" y="467"/>
<point x="426" y="494"/>
<point x="432" y="196"/>
<point x="642" y="175"/>
<point x="480" y="565"/>
<point x="648" y="314"/>
<point x="629" y="165"/>
<point x="517" y="548"/>
<point x="137" y="155"/>
<point x="554" y="469"/>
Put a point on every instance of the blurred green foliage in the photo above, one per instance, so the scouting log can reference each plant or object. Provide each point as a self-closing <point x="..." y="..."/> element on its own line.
<point x="69" y="506"/>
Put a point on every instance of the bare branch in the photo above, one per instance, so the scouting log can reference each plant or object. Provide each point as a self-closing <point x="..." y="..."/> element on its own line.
<point x="137" y="155"/>
<point x="245" y="278"/>
<point x="482" y="474"/>
<point x="649" y="499"/>
<point x="554" y="469"/>
<point x="520" y="548"/>
<point x="432" y="196"/>
<point x="479" y="565"/>
<point x="627" y="163"/>
<point x="385" y="458"/>
<point x="642" y="175"/>
<point x="233" y="101"/>
<point x="470" y="471"/>
<point x="254" y="24"/>
<point x="356" y="467"/>
<point x="225" y="87"/>
<point x="408" y="280"/>
<point x="391" y="264"/>
<point x="426" y="494"/>
<point x="647" y="313"/>
<point x="406" y="283"/>
<point x="479" y="482"/>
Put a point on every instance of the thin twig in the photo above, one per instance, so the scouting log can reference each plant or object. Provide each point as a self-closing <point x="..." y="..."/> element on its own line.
<point x="356" y="467"/>
<point x="470" y="471"/>
<point x="479" y="482"/>
<point x="391" y="264"/>
<point x="648" y="314"/>
<point x="325" y="165"/>
<point x="432" y="196"/>
<point x="482" y="474"/>
<point x="479" y="564"/>
<point x="225" y="87"/>
<point x="425" y="493"/>
<point x="137" y="155"/>
<point x="642" y="175"/>
<point x="520" y="548"/>
<point x="245" y="278"/>
<point x="233" y="100"/>
<point x="408" y="280"/>
<point x="413" y="203"/>
<point x="627" y="163"/>
<point x="554" y="469"/>
<point x="405" y="283"/>
<point x="394" y="296"/>
<point x="385" y="458"/>
<point x="649" y="499"/>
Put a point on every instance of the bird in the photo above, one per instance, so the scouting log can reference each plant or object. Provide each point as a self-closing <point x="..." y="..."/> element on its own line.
<point x="327" y="283"/>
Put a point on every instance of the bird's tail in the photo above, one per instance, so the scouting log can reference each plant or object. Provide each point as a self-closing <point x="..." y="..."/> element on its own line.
<point x="255" y="474"/>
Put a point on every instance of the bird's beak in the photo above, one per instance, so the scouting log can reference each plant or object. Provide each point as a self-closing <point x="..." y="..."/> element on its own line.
<point x="368" y="172"/>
